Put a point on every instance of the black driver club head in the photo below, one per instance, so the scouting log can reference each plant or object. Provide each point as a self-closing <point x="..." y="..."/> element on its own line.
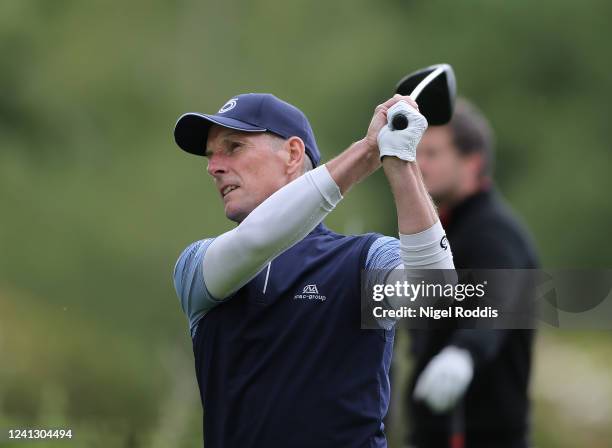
<point x="437" y="99"/>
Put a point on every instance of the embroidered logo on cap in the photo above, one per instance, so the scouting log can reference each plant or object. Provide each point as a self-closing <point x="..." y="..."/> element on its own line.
<point x="228" y="106"/>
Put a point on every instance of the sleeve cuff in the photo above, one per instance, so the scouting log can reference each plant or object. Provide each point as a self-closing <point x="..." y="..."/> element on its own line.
<point x="424" y="238"/>
<point x="427" y="248"/>
<point x="326" y="185"/>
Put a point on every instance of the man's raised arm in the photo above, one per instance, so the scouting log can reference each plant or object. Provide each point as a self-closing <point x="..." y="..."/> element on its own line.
<point x="422" y="240"/>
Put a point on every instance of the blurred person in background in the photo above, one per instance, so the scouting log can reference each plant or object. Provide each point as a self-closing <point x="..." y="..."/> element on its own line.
<point x="470" y="387"/>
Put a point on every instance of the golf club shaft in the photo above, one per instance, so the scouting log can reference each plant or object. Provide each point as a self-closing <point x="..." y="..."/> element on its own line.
<point x="457" y="436"/>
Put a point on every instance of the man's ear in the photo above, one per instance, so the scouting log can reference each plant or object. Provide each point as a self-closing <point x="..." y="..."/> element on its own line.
<point x="476" y="163"/>
<point x="296" y="152"/>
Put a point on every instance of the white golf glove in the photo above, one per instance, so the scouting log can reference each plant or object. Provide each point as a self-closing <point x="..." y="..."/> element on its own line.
<point x="445" y="379"/>
<point x="402" y="144"/>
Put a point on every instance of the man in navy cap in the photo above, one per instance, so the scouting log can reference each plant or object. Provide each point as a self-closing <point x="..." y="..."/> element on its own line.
<point x="274" y="304"/>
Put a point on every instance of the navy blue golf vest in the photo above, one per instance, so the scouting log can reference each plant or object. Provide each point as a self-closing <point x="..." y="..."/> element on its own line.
<point x="290" y="367"/>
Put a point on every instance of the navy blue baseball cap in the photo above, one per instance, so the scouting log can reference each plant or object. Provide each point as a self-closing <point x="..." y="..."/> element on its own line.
<point x="249" y="112"/>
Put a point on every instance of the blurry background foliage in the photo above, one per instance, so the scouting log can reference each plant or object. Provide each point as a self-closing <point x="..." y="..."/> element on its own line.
<point x="97" y="202"/>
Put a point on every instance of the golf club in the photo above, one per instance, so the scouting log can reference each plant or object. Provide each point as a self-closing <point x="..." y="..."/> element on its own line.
<point x="436" y="87"/>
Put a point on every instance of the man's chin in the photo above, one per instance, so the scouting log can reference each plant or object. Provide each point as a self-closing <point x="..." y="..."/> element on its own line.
<point x="235" y="214"/>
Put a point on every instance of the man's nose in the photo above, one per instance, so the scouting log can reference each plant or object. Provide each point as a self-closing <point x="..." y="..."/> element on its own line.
<point x="216" y="164"/>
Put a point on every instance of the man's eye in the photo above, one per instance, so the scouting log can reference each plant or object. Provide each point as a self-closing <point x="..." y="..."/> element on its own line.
<point x="234" y="146"/>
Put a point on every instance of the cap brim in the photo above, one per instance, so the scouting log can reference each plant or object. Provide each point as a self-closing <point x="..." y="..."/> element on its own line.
<point x="191" y="130"/>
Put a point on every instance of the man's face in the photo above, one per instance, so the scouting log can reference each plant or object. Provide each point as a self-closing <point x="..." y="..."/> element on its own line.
<point x="441" y="164"/>
<point x="247" y="167"/>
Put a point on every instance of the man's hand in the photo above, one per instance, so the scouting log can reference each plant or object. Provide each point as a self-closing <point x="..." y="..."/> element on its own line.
<point x="362" y="158"/>
<point x="402" y="143"/>
<point x="445" y="379"/>
<point x="379" y="120"/>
